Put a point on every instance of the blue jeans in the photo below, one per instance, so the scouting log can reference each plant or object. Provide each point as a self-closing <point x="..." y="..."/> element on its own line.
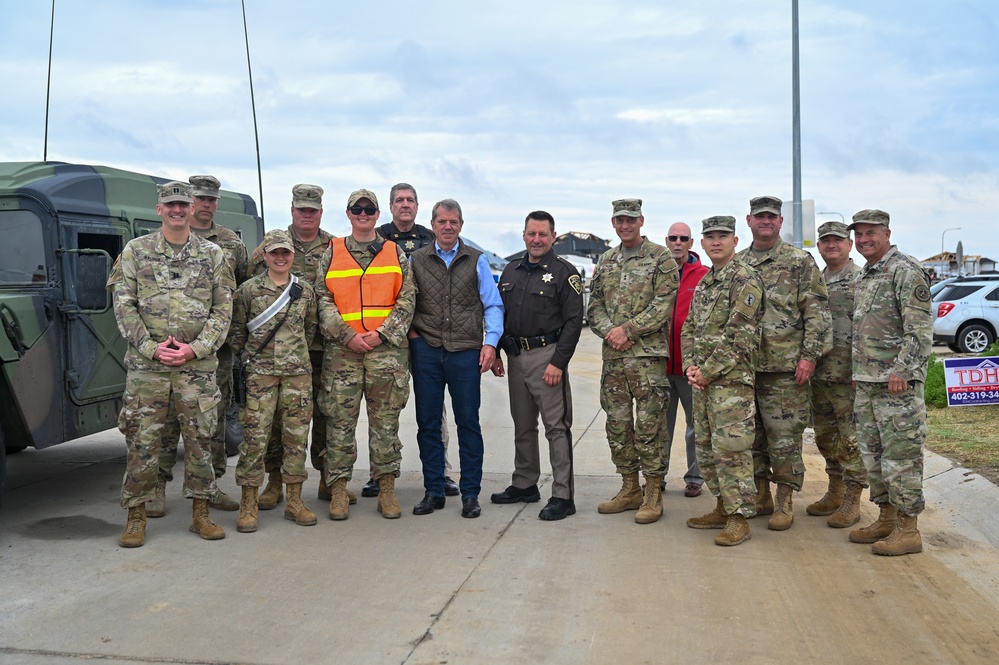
<point x="433" y="368"/>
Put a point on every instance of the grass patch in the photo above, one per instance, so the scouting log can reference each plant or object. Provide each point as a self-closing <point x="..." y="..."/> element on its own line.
<point x="966" y="435"/>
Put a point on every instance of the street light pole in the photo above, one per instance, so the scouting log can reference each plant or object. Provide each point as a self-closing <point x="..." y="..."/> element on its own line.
<point x="956" y="228"/>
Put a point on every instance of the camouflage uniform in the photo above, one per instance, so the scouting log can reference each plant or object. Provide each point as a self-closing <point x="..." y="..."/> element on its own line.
<point x="306" y="266"/>
<point x="236" y="257"/>
<point x="159" y="292"/>
<point x="635" y="292"/>
<point x="796" y="326"/>
<point x="892" y="334"/>
<point x="381" y="376"/>
<point x="278" y="378"/>
<point x="721" y="337"/>
<point x="832" y="387"/>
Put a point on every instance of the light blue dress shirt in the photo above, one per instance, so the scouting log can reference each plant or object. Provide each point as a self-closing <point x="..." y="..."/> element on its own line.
<point x="492" y="304"/>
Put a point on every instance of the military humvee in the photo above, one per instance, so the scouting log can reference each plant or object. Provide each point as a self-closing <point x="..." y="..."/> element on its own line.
<point x="61" y="355"/>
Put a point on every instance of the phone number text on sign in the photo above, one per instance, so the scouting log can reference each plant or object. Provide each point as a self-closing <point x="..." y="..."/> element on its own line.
<point x="972" y="381"/>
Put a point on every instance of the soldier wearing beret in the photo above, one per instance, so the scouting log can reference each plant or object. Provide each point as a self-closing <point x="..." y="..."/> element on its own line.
<point x="173" y="303"/>
<point x="892" y="339"/>
<point x="720" y="340"/>
<point x="631" y="299"/>
<point x="274" y="317"/>
<point x="832" y="386"/>
<point x="797" y="331"/>
<point x="543" y="315"/>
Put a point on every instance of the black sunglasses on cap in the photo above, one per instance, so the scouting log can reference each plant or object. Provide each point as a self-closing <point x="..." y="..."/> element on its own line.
<point x="367" y="210"/>
<point x="680" y="238"/>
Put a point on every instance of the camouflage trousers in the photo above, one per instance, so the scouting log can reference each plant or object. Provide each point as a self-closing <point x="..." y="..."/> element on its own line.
<point x="381" y="377"/>
<point x="266" y="397"/>
<point x="782" y="410"/>
<point x="835" y="431"/>
<point x="891" y="429"/>
<point x="634" y="393"/>
<point x="275" y="449"/>
<point x="724" y="417"/>
<point x="148" y="399"/>
<point x="171" y="429"/>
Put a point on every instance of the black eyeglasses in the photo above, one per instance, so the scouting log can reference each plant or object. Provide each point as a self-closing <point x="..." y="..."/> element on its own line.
<point x="367" y="210"/>
<point x="680" y="238"/>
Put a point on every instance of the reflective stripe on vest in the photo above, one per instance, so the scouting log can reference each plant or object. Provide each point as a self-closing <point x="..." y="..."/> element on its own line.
<point x="364" y="296"/>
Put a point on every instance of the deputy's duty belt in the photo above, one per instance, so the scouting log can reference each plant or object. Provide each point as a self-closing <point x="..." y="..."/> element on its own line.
<point x="528" y="343"/>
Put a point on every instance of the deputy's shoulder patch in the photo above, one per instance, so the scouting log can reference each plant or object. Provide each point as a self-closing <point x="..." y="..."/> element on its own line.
<point x="576" y="283"/>
<point x="922" y="293"/>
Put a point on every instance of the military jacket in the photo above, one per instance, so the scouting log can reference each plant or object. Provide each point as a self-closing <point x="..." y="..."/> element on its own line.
<point x="796" y="324"/>
<point x="287" y="354"/>
<point x="394" y="329"/>
<point x="636" y="293"/>
<point x="837" y="365"/>
<point x="892" y="320"/>
<point x="542" y="298"/>
<point x="232" y="245"/>
<point x="721" y="335"/>
<point x="159" y="292"/>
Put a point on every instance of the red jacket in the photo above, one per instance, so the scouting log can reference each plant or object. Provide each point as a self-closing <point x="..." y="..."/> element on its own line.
<point x="691" y="273"/>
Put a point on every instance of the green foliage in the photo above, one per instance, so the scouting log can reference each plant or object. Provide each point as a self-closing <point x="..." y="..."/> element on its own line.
<point x="935" y="389"/>
<point x="992" y="350"/>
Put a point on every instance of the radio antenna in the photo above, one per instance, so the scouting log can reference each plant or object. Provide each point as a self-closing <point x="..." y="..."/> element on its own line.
<point x="48" y="87"/>
<point x="253" y="106"/>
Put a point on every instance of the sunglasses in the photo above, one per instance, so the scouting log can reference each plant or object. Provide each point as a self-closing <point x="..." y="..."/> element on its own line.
<point x="680" y="238"/>
<point x="367" y="210"/>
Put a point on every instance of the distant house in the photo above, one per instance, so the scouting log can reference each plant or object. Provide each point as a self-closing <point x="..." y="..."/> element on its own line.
<point x="945" y="264"/>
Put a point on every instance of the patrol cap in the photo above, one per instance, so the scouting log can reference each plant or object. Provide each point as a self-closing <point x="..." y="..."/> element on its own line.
<point x="834" y="229"/>
<point x="359" y="194"/>
<point x="718" y="223"/>
<point x="174" y="191"/>
<point x="277" y="239"/>
<point x="871" y="216"/>
<point x="307" y="196"/>
<point x="765" y="204"/>
<point x="627" y="208"/>
<point x="204" y="185"/>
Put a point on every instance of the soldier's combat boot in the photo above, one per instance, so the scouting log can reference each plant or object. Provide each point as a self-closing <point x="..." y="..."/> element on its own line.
<point x="882" y="527"/>
<point x="905" y="539"/>
<point x="848" y="512"/>
<point x="783" y="515"/>
<point x="629" y="497"/>
<point x="134" y="534"/>
<point x="716" y="519"/>
<point x="764" y="500"/>
<point x="339" y="502"/>
<point x="295" y="510"/>
<point x="202" y="523"/>
<point x="247" y="520"/>
<point x="652" y="504"/>
<point x="388" y="504"/>
<point x="325" y="495"/>
<point x="273" y="493"/>
<point x="831" y="500"/>
<point x="157" y="507"/>
<point x="224" y="502"/>
<point x="736" y="531"/>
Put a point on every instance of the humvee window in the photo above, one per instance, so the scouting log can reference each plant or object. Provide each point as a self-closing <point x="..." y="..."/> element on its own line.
<point x="22" y="250"/>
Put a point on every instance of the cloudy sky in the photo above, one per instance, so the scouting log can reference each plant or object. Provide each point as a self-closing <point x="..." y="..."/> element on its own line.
<point x="514" y="106"/>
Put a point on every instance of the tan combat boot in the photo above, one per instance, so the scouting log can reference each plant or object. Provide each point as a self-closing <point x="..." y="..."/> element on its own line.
<point x="247" y="520"/>
<point x="764" y="500"/>
<point x="157" y="507"/>
<point x="629" y="497"/>
<point x="783" y="515"/>
<point x="325" y="495"/>
<point x="652" y="504"/>
<point x="339" y="502"/>
<point x="272" y="494"/>
<point x="388" y="504"/>
<point x="202" y="523"/>
<point x="716" y="519"/>
<point x="295" y="510"/>
<point x="905" y="539"/>
<point x="224" y="502"/>
<point x="882" y="527"/>
<point x="736" y="531"/>
<point x="134" y="534"/>
<point x="848" y="512"/>
<point x="831" y="500"/>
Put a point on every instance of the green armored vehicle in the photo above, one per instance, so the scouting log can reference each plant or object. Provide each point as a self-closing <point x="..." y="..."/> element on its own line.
<point x="61" y="355"/>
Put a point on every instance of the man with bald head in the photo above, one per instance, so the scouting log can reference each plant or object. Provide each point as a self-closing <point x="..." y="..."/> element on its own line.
<point x="679" y="240"/>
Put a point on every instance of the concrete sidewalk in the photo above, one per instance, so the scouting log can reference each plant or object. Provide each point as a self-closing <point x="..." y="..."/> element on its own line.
<point x="504" y="588"/>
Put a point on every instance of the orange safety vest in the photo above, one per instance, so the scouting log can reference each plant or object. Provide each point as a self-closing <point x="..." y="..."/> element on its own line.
<point x="364" y="296"/>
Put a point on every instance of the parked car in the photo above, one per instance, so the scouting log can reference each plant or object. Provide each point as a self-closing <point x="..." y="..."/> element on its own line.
<point x="967" y="314"/>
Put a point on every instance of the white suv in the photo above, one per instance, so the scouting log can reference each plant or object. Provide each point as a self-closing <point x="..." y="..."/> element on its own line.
<point x="967" y="314"/>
